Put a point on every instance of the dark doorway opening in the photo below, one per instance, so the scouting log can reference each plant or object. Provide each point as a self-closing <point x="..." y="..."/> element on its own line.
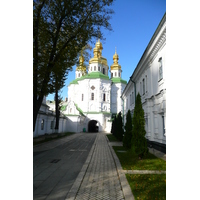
<point x="92" y="126"/>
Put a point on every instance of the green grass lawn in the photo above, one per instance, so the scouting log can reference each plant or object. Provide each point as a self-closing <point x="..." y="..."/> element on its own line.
<point x="112" y="138"/>
<point x="132" y="162"/>
<point x="148" y="186"/>
<point x="51" y="137"/>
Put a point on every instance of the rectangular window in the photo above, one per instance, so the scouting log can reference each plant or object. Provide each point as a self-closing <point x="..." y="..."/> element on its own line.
<point x="103" y="70"/>
<point x="163" y="122"/>
<point x="160" y="68"/>
<point x="146" y="84"/>
<point x="92" y="96"/>
<point x="130" y="100"/>
<point x="143" y="86"/>
<point x="115" y="74"/>
<point x="146" y="124"/>
<point x="104" y="97"/>
<point x="140" y="88"/>
<point x="42" y="124"/>
<point x="82" y="98"/>
<point x="52" y="124"/>
<point x="119" y="74"/>
<point x="111" y="75"/>
<point x="94" y="68"/>
<point x="98" y="68"/>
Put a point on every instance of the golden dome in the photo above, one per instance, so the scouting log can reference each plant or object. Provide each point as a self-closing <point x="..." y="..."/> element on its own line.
<point x="98" y="55"/>
<point x="81" y="66"/>
<point x="99" y="45"/>
<point x="115" y="64"/>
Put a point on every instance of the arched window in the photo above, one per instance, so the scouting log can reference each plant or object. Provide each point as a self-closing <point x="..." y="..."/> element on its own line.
<point x="92" y="96"/>
<point x="94" y="68"/>
<point x="115" y="74"/>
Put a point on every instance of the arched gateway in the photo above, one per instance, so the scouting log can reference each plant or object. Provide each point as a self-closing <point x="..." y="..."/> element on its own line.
<point x="93" y="126"/>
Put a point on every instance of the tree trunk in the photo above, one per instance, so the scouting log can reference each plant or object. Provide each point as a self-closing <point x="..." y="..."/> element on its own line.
<point x="36" y="107"/>
<point x="57" y="111"/>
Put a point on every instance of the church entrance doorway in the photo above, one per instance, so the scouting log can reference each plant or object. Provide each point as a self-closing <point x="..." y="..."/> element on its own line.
<point x="93" y="126"/>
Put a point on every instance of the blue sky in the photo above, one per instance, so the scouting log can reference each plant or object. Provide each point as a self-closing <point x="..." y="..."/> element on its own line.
<point x="134" y="23"/>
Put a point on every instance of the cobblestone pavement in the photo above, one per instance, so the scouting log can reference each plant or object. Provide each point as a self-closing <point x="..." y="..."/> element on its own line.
<point x="101" y="180"/>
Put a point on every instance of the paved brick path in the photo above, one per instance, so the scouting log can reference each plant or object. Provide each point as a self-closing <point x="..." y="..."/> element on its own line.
<point x="101" y="180"/>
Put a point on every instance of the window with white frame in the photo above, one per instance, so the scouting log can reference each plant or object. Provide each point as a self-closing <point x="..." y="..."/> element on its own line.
<point x="98" y="68"/>
<point x="119" y="74"/>
<point x="111" y="75"/>
<point x="115" y="74"/>
<point x="94" y="68"/>
<point x="160" y="73"/>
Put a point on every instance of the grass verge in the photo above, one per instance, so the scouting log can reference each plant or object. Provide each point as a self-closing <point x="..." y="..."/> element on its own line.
<point x="112" y="138"/>
<point x="148" y="186"/>
<point x="50" y="137"/>
<point x="129" y="161"/>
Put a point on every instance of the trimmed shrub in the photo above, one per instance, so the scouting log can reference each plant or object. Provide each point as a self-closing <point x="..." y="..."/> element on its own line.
<point x="120" y="130"/>
<point x="128" y="131"/>
<point x="139" y="142"/>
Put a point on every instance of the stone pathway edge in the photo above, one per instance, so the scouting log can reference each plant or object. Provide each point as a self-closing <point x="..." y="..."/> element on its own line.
<point x="124" y="183"/>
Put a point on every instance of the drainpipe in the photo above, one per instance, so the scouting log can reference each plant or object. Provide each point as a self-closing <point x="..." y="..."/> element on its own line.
<point x="123" y="110"/>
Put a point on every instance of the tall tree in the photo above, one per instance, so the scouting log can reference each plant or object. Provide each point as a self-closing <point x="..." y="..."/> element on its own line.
<point x="128" y="131"/>
<point x="139" y="142"/>
<point x="60" y="30"/>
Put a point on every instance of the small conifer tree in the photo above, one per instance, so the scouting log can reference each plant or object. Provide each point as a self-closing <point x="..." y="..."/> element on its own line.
<point x="128" y="131"/>
<point x="138" y="142"/>
<point x="120" y="130"/>
<point x="114" y="126"/>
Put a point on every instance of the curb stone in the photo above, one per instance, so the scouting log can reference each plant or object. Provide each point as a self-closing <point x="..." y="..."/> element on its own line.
<point x="124" y="183"/>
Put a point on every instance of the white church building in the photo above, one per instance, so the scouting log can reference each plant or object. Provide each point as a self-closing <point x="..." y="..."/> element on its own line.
<point x="148" y="79"/>
<point x="93" y="97"/>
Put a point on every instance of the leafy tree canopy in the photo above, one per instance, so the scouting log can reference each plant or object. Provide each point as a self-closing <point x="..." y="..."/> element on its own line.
<point x="60" y="30"/>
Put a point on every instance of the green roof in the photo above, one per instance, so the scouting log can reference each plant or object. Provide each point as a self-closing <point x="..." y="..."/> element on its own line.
<point x="92" y="75"/>
<point x="80" y="111"/>
<point x="63" y="107"/>
<point x="118" y="80"/>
